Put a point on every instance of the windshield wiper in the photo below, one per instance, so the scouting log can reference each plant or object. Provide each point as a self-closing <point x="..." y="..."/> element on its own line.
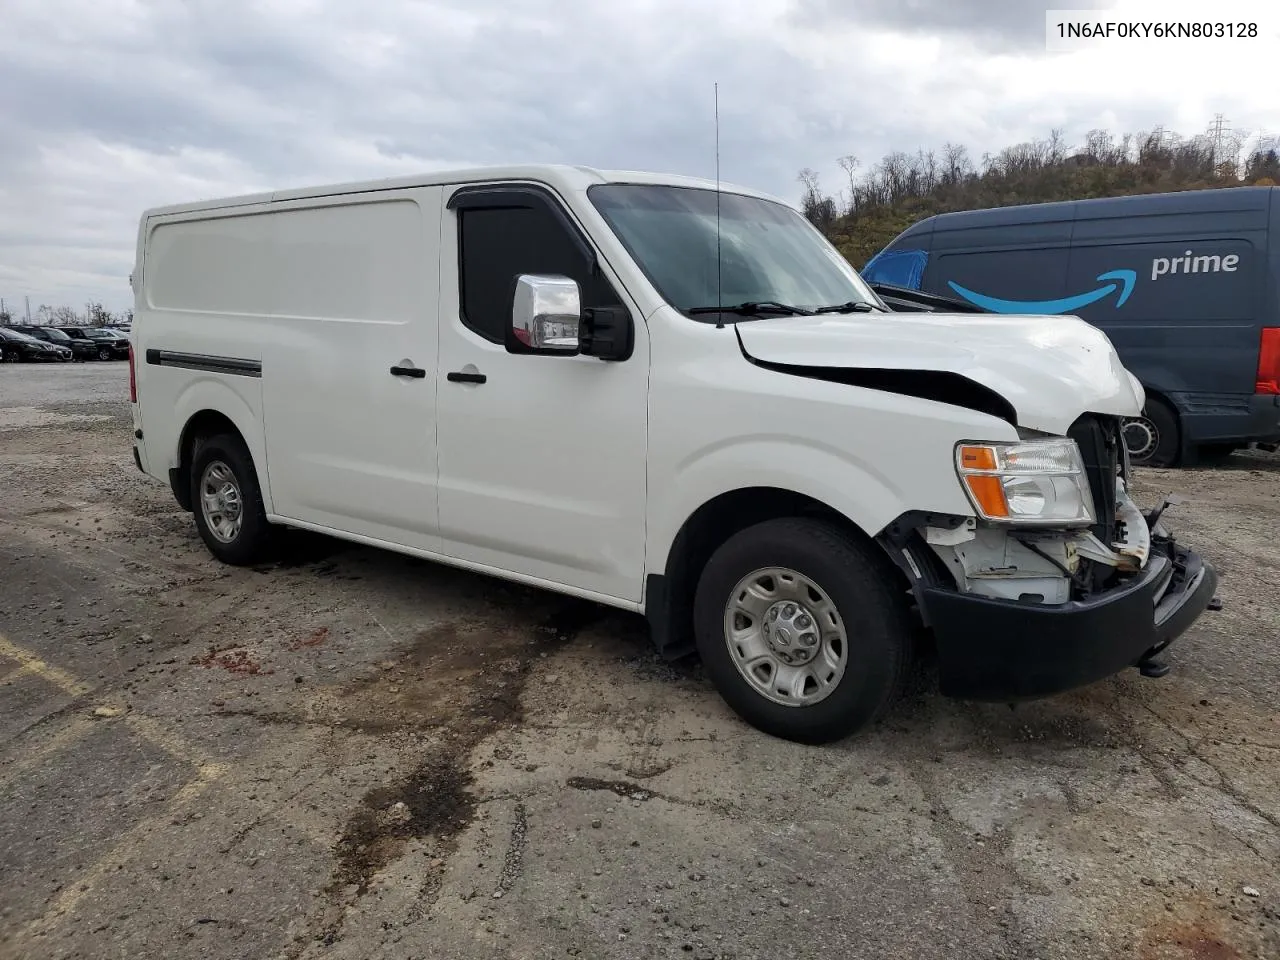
<point x="853" y="306"/>
<point x="754" y="308"/>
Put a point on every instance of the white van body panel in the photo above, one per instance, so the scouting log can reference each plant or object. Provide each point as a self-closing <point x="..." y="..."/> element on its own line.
<point x="198" y="319"/>
<point x="1049" y="371"/>
<point x="720" y="424"/>
<point x="352" y="447"/>
<point x="569" y="473"/>
<point x="542" y="467"/>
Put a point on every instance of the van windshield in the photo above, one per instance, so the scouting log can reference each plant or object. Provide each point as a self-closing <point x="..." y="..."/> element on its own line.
<point x="769" y="253"/>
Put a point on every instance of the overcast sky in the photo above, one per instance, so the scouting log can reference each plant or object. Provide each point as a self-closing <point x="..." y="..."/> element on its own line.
<point x="110" y="106"/>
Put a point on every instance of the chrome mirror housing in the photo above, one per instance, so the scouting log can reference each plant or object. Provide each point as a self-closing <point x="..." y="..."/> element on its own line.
<point x="546" y="314"/>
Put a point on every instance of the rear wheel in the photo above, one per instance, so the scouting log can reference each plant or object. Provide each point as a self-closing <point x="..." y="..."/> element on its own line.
<point x="227" y="501"/>
<point x="802" y="630"/>
<point x="1153" y="439"/>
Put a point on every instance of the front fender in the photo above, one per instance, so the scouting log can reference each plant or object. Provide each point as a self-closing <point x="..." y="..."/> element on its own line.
<point x="860" y="490"/>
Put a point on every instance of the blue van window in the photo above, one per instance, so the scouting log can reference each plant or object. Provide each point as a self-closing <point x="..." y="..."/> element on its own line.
<point x="898" y="268"/>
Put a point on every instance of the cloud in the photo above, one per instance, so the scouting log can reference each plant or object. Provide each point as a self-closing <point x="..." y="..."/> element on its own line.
<point x="111" y="106"/>
<point x="987" y="24"/>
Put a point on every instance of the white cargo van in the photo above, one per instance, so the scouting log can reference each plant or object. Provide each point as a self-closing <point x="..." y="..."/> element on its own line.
<point x="670" y="398"/>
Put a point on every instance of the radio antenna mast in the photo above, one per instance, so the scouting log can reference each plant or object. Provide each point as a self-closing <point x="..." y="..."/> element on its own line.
<point x="719" y="294"/>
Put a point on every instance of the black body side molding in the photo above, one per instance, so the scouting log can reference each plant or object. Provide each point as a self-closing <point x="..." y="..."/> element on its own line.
<point x="200" y="361"/>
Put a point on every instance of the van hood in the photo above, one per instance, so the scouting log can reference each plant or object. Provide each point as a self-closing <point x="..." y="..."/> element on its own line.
<point x="1048" y="369"/>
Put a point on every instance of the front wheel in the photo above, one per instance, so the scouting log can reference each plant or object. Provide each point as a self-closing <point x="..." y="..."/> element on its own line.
<point x="104" y="353"/>
<point x="227" y="501"/>
<point x="9" y="356"/>
<point x="802" y="630"/>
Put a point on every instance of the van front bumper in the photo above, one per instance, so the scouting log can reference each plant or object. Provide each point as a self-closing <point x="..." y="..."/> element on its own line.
<point x="1003" y="650"/>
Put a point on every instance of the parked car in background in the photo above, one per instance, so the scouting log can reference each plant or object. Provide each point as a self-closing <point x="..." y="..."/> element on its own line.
<point x="80" y="349"/>
<point x="16" y="347"/>
<point x="108" y="344"/>
<point x="1185" y="285"/>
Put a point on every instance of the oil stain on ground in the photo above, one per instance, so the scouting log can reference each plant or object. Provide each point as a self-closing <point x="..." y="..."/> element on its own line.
<point x="463" y="683"/>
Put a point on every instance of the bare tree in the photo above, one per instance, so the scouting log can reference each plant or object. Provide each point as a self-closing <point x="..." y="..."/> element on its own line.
<point x="849" y="164"/>
<point x="955" y="163"/>
<point x="905" y="186"/>
<point x="57" y="316"/>
<point x="820" y="209"/>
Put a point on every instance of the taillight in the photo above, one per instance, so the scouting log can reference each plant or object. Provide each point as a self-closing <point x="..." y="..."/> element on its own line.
<point x="1269" y="362"/>
<point x="133" y="383"/>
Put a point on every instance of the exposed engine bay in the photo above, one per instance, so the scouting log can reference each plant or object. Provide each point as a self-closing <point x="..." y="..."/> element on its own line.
<point x="1043" y="566"/>
<point x="1056" y="565"/>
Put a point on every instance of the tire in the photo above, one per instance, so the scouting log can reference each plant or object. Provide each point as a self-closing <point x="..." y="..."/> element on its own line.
<point x="242" y="538"/>
<point x="104" y="353"/>
<point x="1155" y="438"/>
<point x="871" y="618"/>
<point x="10" y="356"/>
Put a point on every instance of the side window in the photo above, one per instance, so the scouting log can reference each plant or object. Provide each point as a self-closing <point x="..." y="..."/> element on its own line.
<point x="498" y="244"/>
<point x="903" y="267"/>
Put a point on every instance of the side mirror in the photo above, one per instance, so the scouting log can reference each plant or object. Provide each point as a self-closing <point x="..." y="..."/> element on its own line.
<point x="546" y="313"/>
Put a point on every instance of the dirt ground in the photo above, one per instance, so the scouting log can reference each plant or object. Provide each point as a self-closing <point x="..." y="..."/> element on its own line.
<point x="351" y="754"/>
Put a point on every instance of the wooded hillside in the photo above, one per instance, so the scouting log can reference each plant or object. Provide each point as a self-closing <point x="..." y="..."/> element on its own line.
<point x="874" y="207"/>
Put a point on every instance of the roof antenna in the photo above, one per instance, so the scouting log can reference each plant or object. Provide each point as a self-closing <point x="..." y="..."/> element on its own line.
<point x="719" y="294"/>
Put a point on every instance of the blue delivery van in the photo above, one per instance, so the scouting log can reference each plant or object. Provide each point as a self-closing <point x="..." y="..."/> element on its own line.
<point x="1186" y="285"/>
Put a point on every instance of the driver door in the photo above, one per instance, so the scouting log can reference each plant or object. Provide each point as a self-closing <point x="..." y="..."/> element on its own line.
<point x="541" y="458"/>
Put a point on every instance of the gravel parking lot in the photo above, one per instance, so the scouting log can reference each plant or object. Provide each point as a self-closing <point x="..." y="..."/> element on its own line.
<point x="352" y="754"/>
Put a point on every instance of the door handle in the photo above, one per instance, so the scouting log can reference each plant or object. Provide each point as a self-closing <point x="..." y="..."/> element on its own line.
<point x="416" y="372"/>
<point x="458" y="376"/>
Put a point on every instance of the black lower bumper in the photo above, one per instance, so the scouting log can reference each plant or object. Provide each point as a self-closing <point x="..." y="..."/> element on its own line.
<point x="1008" y="650"/>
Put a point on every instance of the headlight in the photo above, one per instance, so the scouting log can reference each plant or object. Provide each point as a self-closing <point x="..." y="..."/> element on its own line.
<point x="1036" y="481"/>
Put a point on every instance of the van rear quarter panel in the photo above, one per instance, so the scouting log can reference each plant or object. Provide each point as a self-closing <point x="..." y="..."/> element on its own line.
<point x="203" y="281"/>
<point x="314" y="291"/>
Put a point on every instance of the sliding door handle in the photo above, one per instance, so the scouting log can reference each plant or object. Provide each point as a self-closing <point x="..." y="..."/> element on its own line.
<point x="459" y="376"/>
<point x="416" y="372"/>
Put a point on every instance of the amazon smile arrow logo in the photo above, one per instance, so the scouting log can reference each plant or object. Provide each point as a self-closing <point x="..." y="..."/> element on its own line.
<point x="1122" y="280"/>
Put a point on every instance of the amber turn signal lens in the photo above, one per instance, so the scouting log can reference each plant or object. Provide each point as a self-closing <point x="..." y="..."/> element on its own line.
<point x="988" y="493"/>
<point x="977" y="458"/>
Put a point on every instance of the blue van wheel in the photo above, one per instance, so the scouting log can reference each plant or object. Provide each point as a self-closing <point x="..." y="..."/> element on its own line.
<point x="1153" y="439"/>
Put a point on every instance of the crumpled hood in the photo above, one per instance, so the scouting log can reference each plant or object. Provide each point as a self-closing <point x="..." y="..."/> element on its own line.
<point x="1050" y="368"/>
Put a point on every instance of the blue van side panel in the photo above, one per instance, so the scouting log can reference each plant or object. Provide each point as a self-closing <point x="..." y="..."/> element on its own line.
<point x="1191" y="329"/>
<point x="1022" y="264"/>
<point x="1181" y="283"/>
